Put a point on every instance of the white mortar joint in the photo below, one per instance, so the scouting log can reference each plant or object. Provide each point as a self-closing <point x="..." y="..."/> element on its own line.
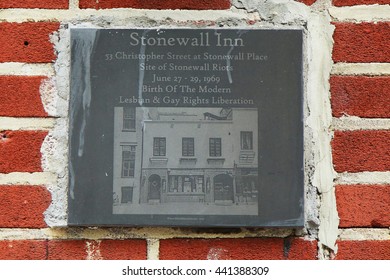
<point x="153" y="249"/>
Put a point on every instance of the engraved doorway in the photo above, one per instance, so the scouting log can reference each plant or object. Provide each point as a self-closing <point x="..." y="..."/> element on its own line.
<point x="154" y="193"/>
<point x="223" y="188"/>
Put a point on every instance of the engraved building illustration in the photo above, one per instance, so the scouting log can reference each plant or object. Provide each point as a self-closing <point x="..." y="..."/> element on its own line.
<point x="185" y="161"/>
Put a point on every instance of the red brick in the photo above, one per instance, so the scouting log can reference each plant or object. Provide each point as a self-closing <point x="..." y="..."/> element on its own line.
<point x="237" y="249"/>
<point x="20" y="151"/>
<point x="23" y="250"/>
<point x="157" y="4"/>
<point x="23" y="206"/>
<point x="67" y="250"/>
<point x="307" y="2"/>
<point x="363" y="250"/>
<point x="41" y="4"/>
<point x="123" y="249"/>
<point x="363" y="206"/>
<point x="363" y="42"/>
<point x="358" y="151"/>
<point x="340" y="3"/>
<point x="367" y="97"/>
<point x="300" y="249"/>
<point x="27" y="42"/>
<point x="97" y="249"/>
<point x="21" y="97"/>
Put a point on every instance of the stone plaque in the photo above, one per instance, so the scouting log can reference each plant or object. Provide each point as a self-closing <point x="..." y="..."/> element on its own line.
<point x="186" y="127"/>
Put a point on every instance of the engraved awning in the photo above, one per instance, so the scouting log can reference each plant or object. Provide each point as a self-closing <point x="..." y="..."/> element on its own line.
<point x="187" y="172"/>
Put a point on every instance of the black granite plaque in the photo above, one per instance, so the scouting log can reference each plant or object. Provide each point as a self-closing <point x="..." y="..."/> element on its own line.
<point x="186" y="127"/>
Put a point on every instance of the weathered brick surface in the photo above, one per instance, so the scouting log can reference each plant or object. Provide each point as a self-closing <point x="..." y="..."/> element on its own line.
<point x="340" y="3"/>
<point x="307" y="2"/>
<point x="23" y="206"/>
<point x="363" y="42"/>
<point x="363" y="250"/>
<point x="363" y="205"/>
<point x="22" y="250"/>
<point x="67" y="250"/>
<point x="73" y="249"/>
<point x="358" y="151"/>
<point x="41" y="4"/>
<point x="20" y="96"/>
<point x="367" y="97"/>
<point x="94" y="249"/>
<point x="238" y="249"/>
<point x="123" y="249"/>
<point x="20" y="151"/>
<point x="27" y="42"/>
<point x="156" y="4"/>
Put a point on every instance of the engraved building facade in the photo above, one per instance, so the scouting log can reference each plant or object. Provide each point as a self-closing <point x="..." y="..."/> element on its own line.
<point x="185" y="155"/>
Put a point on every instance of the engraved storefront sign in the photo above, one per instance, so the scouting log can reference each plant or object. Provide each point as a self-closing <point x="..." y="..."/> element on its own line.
<point x="186" y="127"/>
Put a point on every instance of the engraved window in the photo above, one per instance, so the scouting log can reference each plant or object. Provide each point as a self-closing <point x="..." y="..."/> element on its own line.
<point x="188" y="148"/>
<point x="159" y="146"/>
<point x="128" y="161"/>
<point x="186" y="184"/>
<point x="246" y="140"/>
<point x="127" y="195"/>
<point x="129" y="118"/>
<point x="215" y="147"/>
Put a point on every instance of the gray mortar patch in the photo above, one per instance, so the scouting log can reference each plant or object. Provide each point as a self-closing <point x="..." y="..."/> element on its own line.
<point x="55" y="96"/>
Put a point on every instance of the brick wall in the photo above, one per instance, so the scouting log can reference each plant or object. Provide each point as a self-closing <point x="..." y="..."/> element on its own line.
<point x="360" y="98"/>
<point x="361" y="147"/>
